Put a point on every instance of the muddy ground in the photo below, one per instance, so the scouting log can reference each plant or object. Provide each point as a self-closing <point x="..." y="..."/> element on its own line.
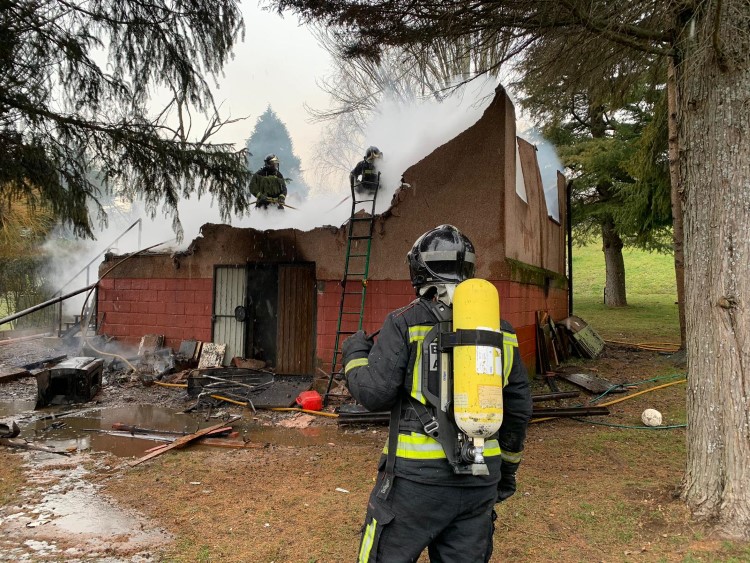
<point x="587" y="492"/>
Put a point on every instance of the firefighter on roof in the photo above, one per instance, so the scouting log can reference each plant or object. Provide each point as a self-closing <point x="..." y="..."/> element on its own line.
<point x="438" y="482"/>
<point x="268" y="184"/>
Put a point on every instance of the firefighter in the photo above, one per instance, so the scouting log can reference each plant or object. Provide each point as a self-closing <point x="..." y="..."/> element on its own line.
<point x="268" y="184"/>
<point x="419" y="500"/>
<point x="364" y="177"/>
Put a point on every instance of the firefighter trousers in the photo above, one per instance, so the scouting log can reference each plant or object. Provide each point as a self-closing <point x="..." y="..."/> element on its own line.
<point x="453" y="523"/>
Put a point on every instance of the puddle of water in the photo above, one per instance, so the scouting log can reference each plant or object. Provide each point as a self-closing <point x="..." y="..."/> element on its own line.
<point x="64" y="506"/>
<point x="81" y="431"/>
<point x="14" y="407"/>
<point x="87" y="429"/>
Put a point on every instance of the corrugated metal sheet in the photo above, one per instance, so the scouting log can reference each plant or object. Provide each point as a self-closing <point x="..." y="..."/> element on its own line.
<point x="295" y="340"/>
<point x="230" y="288"/>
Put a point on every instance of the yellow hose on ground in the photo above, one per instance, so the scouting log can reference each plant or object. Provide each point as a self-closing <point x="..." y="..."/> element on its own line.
<point x="621" y="399"/>
<point x="651" y="346"/>
<point x="228" y="400"/>
<point x="181" y="385"/>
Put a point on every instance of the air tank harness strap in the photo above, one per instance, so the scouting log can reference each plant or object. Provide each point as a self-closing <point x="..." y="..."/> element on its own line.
<point x="472" y="337"/>
<point x="386" y="483"/>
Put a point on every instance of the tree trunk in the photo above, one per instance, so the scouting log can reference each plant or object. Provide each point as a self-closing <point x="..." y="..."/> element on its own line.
<point x="714" y="92"/>
<point x="676" y="197"/>
<point x="614" y="287"/>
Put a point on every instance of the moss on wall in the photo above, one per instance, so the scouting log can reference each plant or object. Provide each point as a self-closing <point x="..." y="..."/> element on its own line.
<point x="525" y="273"/>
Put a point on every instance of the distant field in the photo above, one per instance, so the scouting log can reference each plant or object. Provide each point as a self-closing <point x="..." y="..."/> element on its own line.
<point x="651" y="314"/>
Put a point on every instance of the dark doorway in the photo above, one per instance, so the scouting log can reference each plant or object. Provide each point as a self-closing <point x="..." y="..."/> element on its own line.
<point x="280" y="325"/>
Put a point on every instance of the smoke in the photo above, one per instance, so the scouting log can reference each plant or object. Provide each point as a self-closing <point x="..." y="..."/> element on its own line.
<point x="408" y="132"/>
<point x="404" y="132"/>
<point x="549" y="164"/>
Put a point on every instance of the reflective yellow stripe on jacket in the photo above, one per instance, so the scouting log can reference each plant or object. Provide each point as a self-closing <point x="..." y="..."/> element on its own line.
<point x="358" y="363"/>
<point x="510" y="341"/>
<point x="419" y="446"/>
<point x="416" y="336"/>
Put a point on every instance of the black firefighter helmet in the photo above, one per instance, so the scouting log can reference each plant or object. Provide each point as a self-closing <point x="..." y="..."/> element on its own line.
<point x="372" y="153"/>
<point x="441" y="255"/>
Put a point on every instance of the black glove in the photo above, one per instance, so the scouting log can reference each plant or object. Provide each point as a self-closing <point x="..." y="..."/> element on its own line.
<point x="358" y="345"/>
<point x="507" y="485"/>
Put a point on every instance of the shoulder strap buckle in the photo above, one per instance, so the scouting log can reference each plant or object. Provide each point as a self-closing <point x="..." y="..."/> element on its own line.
<point x="431" y="427"/>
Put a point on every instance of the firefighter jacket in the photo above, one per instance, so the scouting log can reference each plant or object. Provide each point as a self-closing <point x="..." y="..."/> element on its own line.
<point x="377" y="377"/>
<point x="268" y="183"/>
<point x="368" y="173"/>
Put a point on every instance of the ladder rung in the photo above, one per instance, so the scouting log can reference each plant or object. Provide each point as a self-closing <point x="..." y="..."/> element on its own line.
<point x="356" y="274"/>
<point x="356" y="201"/>
<point x="345" y="331"/>
<point x="357" y="255"/>
<point x="361" y="237"/>
<point x="369" y="218"/>
<point x="352" y="293"/>
<point x="351" y="312"/>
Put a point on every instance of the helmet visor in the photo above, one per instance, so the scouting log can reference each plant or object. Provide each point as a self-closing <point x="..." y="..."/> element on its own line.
<point x="449" y="266"/>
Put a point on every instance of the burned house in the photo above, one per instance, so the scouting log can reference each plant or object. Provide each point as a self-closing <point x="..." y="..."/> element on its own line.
<point x="275" y="295"/>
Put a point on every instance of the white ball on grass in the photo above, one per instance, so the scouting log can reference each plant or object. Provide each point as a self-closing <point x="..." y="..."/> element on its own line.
<point x="651" y="417"/>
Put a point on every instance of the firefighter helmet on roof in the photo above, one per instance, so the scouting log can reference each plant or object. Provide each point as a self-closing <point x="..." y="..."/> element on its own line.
<point x="441" y="255"/>
<point x="271" y="159"/>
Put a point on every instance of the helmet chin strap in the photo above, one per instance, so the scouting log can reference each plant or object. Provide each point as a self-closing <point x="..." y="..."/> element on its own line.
<point x="444" y="292"/>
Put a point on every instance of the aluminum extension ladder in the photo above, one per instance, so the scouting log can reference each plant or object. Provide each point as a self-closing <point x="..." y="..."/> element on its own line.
<point x="354" y="282"/>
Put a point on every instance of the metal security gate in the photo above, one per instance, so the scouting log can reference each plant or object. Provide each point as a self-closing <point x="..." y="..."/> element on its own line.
<point x="230" y="306"/>
<point x="266" y="311"/>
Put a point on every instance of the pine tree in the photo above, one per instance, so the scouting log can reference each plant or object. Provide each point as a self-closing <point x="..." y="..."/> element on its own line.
<point x="271" y="136"/>
<point x="64" y="112"/>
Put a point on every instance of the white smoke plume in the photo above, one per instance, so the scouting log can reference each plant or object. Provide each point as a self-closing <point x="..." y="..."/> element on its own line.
<point x="405" y="133"/>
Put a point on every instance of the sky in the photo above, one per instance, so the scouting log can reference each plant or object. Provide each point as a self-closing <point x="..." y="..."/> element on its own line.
<point x="280" y="63"/>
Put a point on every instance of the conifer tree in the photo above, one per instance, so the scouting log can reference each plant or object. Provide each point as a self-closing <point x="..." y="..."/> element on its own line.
<point x="271" y="136"/>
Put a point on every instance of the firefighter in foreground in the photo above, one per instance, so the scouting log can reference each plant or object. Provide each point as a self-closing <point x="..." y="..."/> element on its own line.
<point x="268" y="184"/>
<point x="453" y="448"/>
<point x="364" y="177"/>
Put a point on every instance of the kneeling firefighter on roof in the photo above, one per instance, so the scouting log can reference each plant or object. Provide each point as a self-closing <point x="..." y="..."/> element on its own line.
<point x="268" y="184"/>
<point x="450" y="372"/>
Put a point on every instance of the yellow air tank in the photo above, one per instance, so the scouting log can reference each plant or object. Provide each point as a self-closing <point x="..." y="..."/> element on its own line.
<point x="477" y="370"/>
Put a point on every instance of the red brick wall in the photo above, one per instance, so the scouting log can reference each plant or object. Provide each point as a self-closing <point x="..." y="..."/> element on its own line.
<point x="518" y="305"/>
<point x="180" y="309"/>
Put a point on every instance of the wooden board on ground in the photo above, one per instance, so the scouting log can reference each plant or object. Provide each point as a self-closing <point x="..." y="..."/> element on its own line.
<point x="592" y="383"/>
<point x="184" y="440"/>
<point x="212" y="355"/>
<point x="8" y="374"/>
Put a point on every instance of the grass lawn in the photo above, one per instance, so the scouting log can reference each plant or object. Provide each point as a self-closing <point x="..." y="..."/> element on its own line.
<point x="651" y="314"/>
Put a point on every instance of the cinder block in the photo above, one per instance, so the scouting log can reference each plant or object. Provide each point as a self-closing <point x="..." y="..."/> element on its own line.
<point x="184" y="296"/>
<point x="121" y="306"/>
<point x="123" y="283"/>
<point x="140" y="284"/>
<point x="166" y="296"/>
<point x="157" y="284"/>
